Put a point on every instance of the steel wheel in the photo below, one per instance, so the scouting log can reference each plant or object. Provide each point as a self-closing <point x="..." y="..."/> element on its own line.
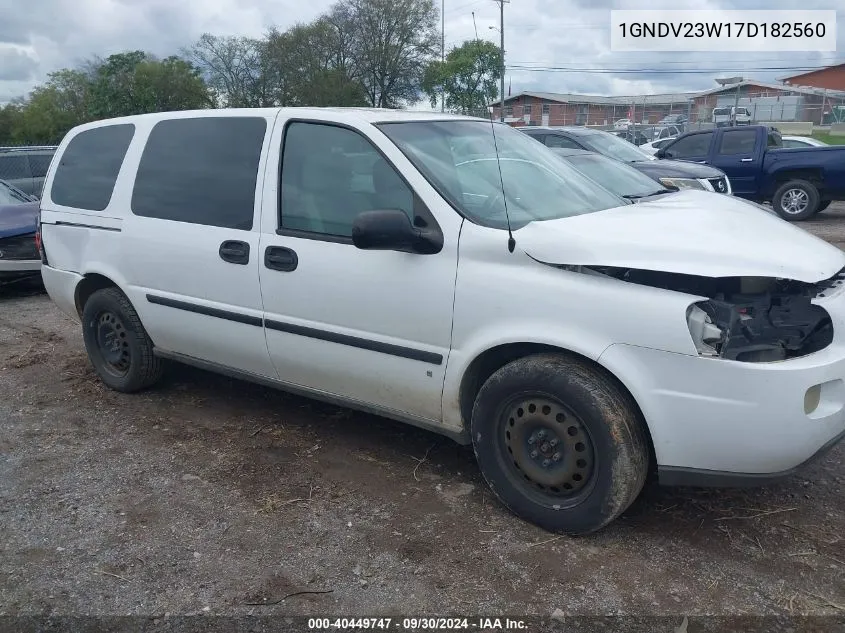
<point x="112" y="344"/>
<point x="795" y="201"/>
<point x="548" y="450"/>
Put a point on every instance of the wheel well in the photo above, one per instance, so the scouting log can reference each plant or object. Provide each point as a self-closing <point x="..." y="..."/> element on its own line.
<point x="811" y="175"/>
<point x="490" y="361"/>
<point x="90" y="284"/>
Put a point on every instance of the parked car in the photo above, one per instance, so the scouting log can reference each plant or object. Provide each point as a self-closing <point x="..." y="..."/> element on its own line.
<point x="622" y="124"/>
<point x="802" y="141"/>
<point x="25" y="167"/>
<point x="652" y="147"/>
<point x="669" y="173"/>
<point x="731" y="116"/>
<point x="499" y="297"/>
<point x="19" y="256"/>
<point x="632" y="136"/>
<point x="667" y="131"/>
<point x="674" y="119"/>
<point x="615" y="176"/>
<point x="798" y="182"/>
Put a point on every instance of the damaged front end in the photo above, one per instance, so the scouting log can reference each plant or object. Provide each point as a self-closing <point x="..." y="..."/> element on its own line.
<point x="748" y="319"/>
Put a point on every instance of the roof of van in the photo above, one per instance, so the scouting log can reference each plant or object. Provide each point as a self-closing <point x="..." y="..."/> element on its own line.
<point x="369" y="115"/>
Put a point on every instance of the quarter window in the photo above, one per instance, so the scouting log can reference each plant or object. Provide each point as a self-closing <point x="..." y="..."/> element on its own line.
<point x="331" y="174"/>
<point x="201" y="170"/>
<point x="89" y="166"/>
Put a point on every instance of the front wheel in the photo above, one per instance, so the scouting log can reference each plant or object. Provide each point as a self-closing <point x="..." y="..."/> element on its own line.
<point x="117" y="344"/>
<point x="796" y="200"/>
<point x="560" y="443"/>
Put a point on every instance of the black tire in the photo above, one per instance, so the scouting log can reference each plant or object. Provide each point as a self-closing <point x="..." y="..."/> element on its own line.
<point x="796" y="200"/>
<point x="824" y="204"/>
<point x="610" y="452"/>
<point x="117" y="344"/>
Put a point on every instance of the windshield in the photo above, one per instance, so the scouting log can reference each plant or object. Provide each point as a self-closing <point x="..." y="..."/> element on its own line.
<point x="459" y="158"/>
<point x="614" y="147"/>
<point x="611" y="174"/>
<point x="10" y="196"/>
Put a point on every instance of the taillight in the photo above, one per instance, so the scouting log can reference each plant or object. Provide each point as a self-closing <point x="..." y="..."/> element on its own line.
<point x="39" y="245"/>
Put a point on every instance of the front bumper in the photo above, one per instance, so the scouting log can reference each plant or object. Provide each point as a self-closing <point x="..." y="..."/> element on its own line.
<point x="721" y="422"/>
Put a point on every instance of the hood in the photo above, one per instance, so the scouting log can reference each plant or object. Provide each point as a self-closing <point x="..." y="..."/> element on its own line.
<point x="664" y="168"/>
<point x="689" y="232"/>
<point x="18" y="219"/>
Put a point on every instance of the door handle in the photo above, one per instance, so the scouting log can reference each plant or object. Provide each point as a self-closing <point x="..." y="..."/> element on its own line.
<point x="745" y="160"/>
<point x="280" y="258"/>
<point x="234" y="252"/>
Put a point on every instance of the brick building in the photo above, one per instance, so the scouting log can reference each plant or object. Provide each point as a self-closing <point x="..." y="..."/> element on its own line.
<point x="549" y="108"/>
<point x="831" y="78"/>
<point x="770" y="102"/>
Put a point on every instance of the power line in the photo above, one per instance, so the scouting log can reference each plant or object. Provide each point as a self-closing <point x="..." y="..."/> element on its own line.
<point x="655" y="71"/>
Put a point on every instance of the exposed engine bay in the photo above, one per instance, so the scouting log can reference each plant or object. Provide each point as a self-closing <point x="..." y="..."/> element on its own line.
<point x="751" y="319"/>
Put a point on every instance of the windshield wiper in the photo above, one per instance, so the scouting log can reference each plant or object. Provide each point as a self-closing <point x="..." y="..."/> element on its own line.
<point x="637" y="196"/>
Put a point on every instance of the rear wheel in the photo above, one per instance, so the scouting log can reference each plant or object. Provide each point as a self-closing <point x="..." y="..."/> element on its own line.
<point x="796" y="200"/>
<point x="116" y="342"/>
<point x="560" y="443"/>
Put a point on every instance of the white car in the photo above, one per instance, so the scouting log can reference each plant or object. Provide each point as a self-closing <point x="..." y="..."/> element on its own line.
<point x="652" y="147"/>
<point x="802" y="141"/>
<point x="622" y="124"/>
<point x="494" y="295"/>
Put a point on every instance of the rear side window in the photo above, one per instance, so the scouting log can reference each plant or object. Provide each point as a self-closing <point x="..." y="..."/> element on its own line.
<point x="13" y="166"/>
<point x="202" y="170"/>
<point x="738" y="142"/>
<point x="89" y="166"/>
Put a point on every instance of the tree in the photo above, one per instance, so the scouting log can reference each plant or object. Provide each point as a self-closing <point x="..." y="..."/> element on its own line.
<point x="236" y="69"/>
<point x="394" y="41"/>
<point x="54" y="108"/>
<point x="137" y="83"/>
<point x="468" y="77"/>
<point x="10" y="118"/>
<point x="313" y="68"/>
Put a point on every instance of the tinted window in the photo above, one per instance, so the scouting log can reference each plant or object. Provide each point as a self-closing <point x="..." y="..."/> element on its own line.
<point x="39" y="164"/>
<point x="688" y="146"/>
<point x="555" y="140"/>
<point x="738" y="142"/>
<point x="201" y="170"/>
<point x="13" y="166"/>
<point x="89" y="166"/>
<point x="331" y="174"/>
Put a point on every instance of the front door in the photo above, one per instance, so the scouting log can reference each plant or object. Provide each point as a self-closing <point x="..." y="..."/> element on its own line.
<point x="372" y="327"/>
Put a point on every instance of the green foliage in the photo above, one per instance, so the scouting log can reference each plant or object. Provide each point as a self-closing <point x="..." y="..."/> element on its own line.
<point x="359" y="53"/>
<point x="469" y="77"/>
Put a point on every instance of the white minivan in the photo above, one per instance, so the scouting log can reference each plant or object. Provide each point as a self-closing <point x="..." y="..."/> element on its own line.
<point x="455" y="274"/>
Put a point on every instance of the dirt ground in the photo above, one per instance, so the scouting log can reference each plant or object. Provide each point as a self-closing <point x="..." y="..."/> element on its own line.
<point x="209" y="495"/>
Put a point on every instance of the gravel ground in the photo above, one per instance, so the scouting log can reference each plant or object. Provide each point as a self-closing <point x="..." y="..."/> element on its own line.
<point x="209" y="495"/>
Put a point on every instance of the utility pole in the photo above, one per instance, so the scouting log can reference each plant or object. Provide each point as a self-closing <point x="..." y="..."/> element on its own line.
<point x="502" y="39"/>
<point x="443" y="47"/>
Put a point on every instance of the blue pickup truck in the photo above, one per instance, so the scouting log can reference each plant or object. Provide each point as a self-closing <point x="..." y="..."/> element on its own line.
<point x="798" y="182"/>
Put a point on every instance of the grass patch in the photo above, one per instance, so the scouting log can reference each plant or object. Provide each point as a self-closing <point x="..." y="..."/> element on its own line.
<point x="825" y="137"/>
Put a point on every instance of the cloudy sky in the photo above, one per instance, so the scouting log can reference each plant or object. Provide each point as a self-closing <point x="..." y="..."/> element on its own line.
<point x="40" y="36"/>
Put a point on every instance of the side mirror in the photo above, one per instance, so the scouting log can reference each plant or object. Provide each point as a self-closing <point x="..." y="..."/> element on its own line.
<point x="661" y="153"/>
<point x="391" y="230"/>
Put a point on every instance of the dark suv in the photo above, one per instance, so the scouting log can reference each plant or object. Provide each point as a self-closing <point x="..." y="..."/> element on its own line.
<point x="26" y="167"/>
